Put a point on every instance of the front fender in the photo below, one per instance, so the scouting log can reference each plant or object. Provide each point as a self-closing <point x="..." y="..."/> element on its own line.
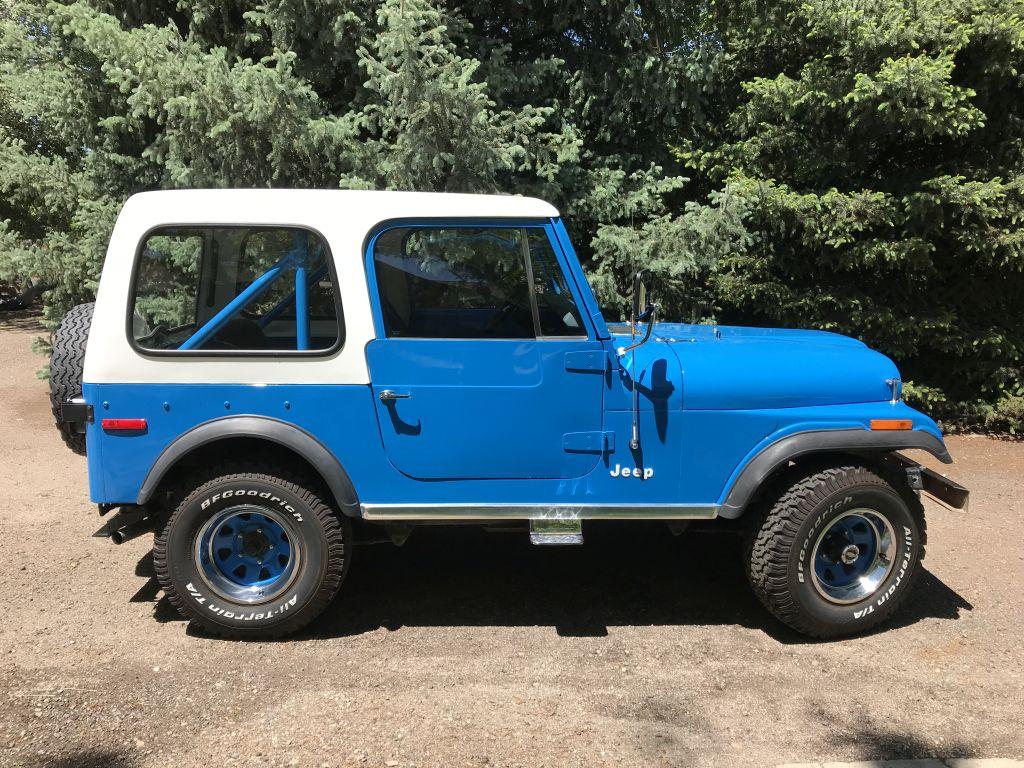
<point x="776" y="455"/>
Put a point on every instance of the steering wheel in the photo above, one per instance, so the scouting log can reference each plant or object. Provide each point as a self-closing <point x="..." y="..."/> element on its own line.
<point x="161" y="333"/>
<point x="156" y="337"/>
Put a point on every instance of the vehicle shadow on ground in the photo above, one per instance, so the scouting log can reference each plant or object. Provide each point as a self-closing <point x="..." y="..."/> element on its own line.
<point x="149" y="592"/>
<point x="628" y="574"/>
<point x="625" y="575"/>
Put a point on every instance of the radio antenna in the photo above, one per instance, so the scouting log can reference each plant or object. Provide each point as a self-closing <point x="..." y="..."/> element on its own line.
<point x="634" y="442"/>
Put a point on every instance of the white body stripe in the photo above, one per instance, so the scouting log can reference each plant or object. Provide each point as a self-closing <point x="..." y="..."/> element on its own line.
<point x="344" y="218"/>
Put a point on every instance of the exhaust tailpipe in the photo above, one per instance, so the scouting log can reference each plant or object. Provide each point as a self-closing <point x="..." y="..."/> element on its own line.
<point x="129" y="532"/>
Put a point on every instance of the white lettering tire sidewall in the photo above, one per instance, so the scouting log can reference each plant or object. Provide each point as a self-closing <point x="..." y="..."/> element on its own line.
<point x="884" y="600"/>
<point x="202" y="600"/>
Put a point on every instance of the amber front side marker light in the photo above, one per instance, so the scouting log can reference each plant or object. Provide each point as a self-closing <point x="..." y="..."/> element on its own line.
<point x="891" y="424"/>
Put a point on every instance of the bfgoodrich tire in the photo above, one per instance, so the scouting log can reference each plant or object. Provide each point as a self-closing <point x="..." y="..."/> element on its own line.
<point x="66" y="365"/>
<point x="252" y="555"/>
<point x="838" y="551"/>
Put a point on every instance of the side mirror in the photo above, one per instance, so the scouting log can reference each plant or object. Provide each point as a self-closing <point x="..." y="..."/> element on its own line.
<point x="643" y="297"/>
<point x="645" y="310"/>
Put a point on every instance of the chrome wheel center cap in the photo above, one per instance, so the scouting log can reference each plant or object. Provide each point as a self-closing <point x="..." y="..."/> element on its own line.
<point x="849" y="554"/>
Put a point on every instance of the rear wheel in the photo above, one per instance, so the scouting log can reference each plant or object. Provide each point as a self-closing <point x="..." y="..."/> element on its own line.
<point x="66" y="365"/>
<point x="837" y="550"/>
<point x="252" y="555"/>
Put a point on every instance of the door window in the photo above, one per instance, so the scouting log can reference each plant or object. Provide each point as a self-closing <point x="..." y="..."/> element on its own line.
<point x="557" y="313"/>
<point x="472" y="283"/>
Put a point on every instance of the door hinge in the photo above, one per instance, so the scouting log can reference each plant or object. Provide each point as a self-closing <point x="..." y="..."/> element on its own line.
<point x="590" y="361"/>
<point x="588" y="442"/>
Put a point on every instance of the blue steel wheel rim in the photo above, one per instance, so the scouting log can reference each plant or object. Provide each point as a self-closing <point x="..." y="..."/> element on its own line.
<point x="248" y="554"/>
<point x="853" y="556"/>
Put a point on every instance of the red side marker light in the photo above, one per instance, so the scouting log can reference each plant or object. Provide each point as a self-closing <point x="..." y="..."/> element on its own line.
<point x="891" y="424"/>
<point x="124" y="425"/>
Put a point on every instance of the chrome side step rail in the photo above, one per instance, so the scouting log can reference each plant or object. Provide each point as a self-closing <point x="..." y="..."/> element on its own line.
<point x="485" y="512"/>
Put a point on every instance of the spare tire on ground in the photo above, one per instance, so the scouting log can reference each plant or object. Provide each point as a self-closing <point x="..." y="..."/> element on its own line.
<point x="66" y="366"/>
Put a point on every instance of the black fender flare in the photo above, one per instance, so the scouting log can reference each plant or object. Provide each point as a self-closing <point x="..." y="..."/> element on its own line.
<point x="784" y="450"/>
<point x="274" y="430"/>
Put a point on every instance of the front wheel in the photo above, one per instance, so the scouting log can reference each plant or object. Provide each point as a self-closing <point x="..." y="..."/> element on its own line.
<point x="837" y="551"/>
<point x="252" y="555"/>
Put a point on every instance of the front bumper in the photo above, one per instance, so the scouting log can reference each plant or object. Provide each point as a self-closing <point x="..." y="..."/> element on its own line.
<point x="948" y="493"/>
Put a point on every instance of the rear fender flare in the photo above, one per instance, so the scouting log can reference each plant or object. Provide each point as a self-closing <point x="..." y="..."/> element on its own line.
<point x="776" y="455"/>
<point x="288" y="435"/>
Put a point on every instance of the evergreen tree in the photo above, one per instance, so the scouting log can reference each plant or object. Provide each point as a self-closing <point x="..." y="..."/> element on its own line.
<point x="878" y="149"/>
<point x="429" y="122"/>
<point x="854" y="166"/>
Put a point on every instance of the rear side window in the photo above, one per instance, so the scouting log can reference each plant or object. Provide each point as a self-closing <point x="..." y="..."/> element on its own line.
<point x="234" y="289"/>
<point x="472" y="283"/>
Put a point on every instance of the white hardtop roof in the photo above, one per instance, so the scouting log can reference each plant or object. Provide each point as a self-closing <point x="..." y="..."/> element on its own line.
<point x="278" y="205"/>
<point x="343" y="218"/>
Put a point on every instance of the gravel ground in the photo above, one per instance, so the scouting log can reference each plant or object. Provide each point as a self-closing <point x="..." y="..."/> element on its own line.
<point x="471" y="649"/>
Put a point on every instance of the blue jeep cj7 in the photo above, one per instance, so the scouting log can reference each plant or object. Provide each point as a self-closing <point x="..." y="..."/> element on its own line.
<point x="266" y="369"/>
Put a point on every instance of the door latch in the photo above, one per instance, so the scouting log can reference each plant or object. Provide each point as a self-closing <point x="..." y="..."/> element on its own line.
<point x="387" y="396"/>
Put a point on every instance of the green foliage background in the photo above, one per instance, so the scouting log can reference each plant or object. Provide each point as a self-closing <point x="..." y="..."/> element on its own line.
<point x="854" y="166"/>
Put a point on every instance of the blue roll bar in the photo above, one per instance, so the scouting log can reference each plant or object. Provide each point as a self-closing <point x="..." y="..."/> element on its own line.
<point x="301" y="308"/>
<point x="296" y="257"/>
<point x="288" y="300"/>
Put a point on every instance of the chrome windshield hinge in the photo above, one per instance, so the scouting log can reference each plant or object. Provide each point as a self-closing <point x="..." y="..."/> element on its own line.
<point x="895" y="389"/>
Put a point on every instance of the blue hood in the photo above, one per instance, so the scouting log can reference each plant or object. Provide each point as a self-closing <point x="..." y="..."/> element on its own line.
<point x="735" y="368"/>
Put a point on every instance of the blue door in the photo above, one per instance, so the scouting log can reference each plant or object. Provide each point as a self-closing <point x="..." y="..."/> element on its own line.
<point x="484" y="366"/>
